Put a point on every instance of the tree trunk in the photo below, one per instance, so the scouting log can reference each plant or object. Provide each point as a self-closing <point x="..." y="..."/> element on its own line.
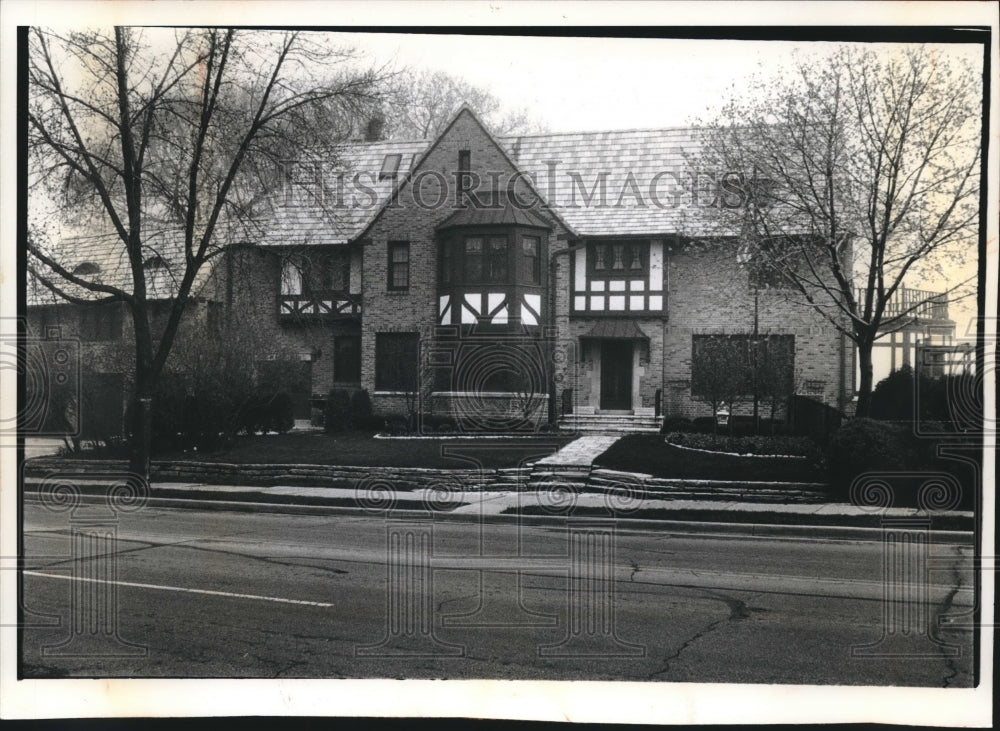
<point x="141" y="424"/>
<point x="865" y="382"/>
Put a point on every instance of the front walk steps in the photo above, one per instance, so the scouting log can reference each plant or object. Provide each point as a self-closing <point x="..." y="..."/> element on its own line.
<point x="610" y="423"/>
<point x="572" y="470"/>
<point x="581" y="452"/>
<point x="569" y="468"/>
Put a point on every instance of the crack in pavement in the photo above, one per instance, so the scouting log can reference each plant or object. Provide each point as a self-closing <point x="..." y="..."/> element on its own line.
<point x="738" y="611"/>
<point x="635" y="569"/>
<point x="942" y="610"/>
<point x="147" y="545"/>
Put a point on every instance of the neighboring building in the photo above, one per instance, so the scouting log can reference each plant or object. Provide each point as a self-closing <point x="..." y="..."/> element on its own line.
<point x="501" y="281"/>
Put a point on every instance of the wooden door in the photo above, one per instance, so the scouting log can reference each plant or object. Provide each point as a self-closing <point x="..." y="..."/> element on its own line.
<point x="616" y="375"/>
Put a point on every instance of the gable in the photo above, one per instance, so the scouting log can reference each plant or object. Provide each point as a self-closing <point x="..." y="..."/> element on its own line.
<point x="435" y="188"/>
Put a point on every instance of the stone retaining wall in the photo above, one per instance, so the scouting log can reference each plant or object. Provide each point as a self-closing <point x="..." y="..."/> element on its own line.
<point x="626" y="485"/>
<point x="271" y="474"/>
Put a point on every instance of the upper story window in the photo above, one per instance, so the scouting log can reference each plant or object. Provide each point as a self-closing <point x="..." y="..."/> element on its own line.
<point x="496" y="269"/>
<point x="335" y="272"/>
<point x="491" y="255"/>
<point x="447" y="262"/>
<point x="624" y="258"/>
<point x="532" y="262"/>
<point x="291" y="275"/>
<point x="464" y="161"/>
<point x="399" y="265"/>
<point x="390" y="167"/>
<point x="473" y="260"/>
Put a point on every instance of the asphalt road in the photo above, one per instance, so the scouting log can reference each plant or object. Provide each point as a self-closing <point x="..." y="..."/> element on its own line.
<point x="187" y="593"/>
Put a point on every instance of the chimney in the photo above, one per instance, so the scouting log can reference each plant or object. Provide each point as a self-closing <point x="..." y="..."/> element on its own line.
<point x="374" y="130"/>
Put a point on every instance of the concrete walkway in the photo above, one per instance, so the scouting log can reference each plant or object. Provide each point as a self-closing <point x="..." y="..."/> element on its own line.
<point x="830" y="520"/>
<point x="581" y="452"/>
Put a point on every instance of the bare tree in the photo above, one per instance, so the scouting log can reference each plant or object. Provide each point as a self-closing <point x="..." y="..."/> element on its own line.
<point x="425" y="102"/>
<point x="164" y="140"/>
<point x="850" y="176"/>
<point x="720" y="372"/>
<point x="772" y="364"/>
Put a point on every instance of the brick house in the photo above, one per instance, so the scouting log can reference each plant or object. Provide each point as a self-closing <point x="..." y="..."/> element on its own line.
<point x="498" y="281"/>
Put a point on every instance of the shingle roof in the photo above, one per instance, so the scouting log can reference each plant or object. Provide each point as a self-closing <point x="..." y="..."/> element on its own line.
<point x="338" y="209"/>
<point x="285" y="219"/>
<point x="646" y="182"/>
<point x="108" y="254"/>
<point x="647" y="179"/>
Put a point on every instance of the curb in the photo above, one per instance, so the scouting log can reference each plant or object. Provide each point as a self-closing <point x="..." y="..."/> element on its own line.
<point x="705" y="528"/>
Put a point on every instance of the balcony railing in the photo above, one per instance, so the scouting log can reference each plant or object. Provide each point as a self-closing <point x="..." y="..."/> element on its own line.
<point x="920" y="304"/>
<point x="319" y="306"/>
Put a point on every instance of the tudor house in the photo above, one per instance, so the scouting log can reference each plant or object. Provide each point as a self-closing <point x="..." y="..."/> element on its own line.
<point x="501" y="281"/>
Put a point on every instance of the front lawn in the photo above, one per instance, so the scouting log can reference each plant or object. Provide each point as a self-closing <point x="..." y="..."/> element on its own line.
<point x="362" y="449"/>
<point x="649" y="453"/>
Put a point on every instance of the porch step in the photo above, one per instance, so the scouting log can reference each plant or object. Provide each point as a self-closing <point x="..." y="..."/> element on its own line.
<point x="610" y="423"/>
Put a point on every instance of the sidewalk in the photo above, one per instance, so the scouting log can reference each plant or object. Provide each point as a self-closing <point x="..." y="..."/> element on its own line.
<point x="841" y="521"/>
<point x="536" y="497"/>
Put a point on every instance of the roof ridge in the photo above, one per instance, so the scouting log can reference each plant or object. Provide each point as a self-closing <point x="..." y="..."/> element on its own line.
<point x="674" y="128"/>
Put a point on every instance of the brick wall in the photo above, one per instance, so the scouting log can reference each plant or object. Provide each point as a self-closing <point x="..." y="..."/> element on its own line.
<point x="706" y="292"/>
<point x="413" y="218"/>
<point x="254" y="280"/>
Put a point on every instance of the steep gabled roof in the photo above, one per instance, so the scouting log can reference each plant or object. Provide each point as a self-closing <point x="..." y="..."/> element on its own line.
<point x="646" y="176"/>
<point x="643" y="172"/>
<point x="405" y="181"/>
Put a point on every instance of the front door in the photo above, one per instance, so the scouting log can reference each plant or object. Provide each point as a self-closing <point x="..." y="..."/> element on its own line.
<point x="616" y="375"/>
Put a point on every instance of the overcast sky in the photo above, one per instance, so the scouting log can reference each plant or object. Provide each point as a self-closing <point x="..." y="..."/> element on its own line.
<point x="587" y="83"/>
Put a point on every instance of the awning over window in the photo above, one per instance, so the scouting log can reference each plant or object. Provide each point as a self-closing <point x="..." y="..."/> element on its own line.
<point x="493" y="209"/>
<point x="615" y="329"/>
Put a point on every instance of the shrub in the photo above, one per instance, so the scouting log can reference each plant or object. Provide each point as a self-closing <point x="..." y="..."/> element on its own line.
<point x="397" y="426"/>
<point x="337" y="413"/>
<point x="863" y="445"/>
<point x="348" y="408"/>
<point x="892" y="397"/>
<point x="370" y="423"/>
<point x="764" y="445"/>
<point x="280" y="413"/>
<point x="703" y="424"/>
<point x="360" y="407"/>
<point x="675" y="424"/>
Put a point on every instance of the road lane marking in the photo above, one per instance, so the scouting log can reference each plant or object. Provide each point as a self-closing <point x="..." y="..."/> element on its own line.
<point x="186" y="590"/>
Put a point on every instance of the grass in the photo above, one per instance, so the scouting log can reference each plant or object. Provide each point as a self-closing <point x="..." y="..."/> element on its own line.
<point x="648" y="453"/>
<point x="361" y="449"/>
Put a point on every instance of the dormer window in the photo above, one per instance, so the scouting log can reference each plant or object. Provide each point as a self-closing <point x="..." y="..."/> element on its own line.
<point x="390" y="167"/>
<point x="157" y="276"/>
<point x="88" y="270"/>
